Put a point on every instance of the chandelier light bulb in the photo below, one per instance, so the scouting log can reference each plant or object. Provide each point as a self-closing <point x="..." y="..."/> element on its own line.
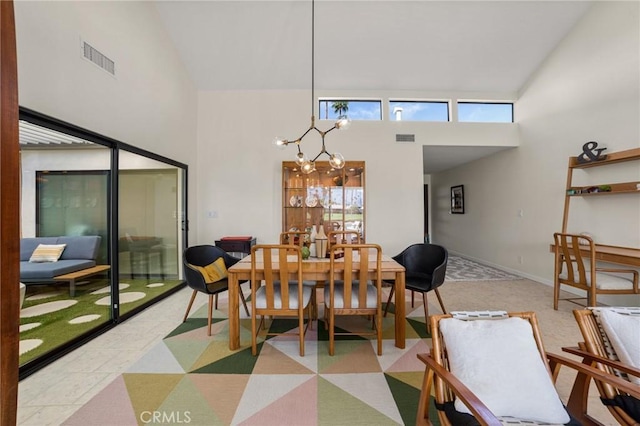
<point x="343" y="122"/>
<point x="336" y="160"/>
<point x="301" y="159"/>
<point x="307" y="167"/>
<point x="280" y="143"/>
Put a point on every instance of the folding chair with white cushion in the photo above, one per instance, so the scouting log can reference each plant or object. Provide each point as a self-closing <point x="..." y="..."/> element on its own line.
<point x="612" y="344"/>
<point x="490" y="368"/>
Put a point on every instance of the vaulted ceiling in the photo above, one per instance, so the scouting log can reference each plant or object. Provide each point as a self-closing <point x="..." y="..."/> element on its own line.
<point x="391" y="45"/>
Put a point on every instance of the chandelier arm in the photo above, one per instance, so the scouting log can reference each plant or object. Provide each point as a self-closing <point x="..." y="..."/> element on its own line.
<point x="303" y="135"/>
<point x="334" y="127"/>
<point x="319" y="154"/>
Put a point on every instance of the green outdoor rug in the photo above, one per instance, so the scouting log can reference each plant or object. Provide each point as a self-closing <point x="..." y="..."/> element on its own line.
<point x="50" y="317"/>
<point x="191" y="378"/>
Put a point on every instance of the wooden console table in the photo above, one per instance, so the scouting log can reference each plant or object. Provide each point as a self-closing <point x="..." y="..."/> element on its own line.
<point x="236" y="244"/>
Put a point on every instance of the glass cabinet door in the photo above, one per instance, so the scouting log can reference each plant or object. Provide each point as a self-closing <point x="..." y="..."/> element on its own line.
<point x="327" y="196"/>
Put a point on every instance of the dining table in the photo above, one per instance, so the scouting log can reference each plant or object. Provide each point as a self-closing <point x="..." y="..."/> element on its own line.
<point x="313" y="269"/>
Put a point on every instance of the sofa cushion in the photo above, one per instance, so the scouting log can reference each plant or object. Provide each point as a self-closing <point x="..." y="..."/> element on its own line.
<point x="47" y="253"/>
<point x="46" y="271"/>
<point x="28" y="245"/>
<point x="80" y="247"/>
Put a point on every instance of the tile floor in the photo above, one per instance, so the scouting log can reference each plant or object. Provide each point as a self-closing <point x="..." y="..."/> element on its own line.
<point x="51" y="395"/>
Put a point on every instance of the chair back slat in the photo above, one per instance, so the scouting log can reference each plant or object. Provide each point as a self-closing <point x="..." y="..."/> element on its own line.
<point x="347" y="274"/>
<point x="285" y="276"/>
<point x="363" y="276"/>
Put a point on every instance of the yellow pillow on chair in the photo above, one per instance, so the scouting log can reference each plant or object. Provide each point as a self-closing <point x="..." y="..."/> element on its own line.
<point x="213" y="272"/>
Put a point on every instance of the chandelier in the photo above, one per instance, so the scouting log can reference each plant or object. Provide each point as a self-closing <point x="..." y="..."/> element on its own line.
<point x="336" y="160"/>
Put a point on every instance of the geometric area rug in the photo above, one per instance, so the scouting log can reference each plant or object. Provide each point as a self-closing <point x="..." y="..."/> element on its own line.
<point x="191" y="378"/>
<point x="461" y="269"/>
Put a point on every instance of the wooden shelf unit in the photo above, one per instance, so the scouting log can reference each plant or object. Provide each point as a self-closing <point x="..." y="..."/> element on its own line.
<point x="615" y="188"/>
<point x="332" y="197"/>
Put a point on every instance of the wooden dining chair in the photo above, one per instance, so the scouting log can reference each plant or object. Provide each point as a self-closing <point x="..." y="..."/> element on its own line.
<point x="579" y="270"/>
<point x="599" y="350"/>
<point x="297" y="238"/>
<point x="343" y="237"/>
<point x="280" y="293"/>
<point x="355" y="288"/>
<point x="490" y="368"/>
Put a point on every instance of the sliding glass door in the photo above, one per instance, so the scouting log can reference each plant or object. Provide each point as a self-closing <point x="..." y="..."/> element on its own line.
<point x="78" y="187"/>
<point x="149" y="228"/>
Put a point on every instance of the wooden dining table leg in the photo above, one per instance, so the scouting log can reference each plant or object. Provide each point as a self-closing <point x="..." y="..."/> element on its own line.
<point x="399" y="308"/>
<point x="234" y="312"/>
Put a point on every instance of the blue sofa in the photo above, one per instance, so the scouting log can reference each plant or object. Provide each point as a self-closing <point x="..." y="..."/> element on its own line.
<point x="80" y="253"/>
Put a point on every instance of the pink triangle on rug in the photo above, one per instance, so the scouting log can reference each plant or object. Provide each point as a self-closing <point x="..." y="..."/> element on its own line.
<point x="409" y="360"/>
<point x="298" y="407"/>
<point x="100" y="409"/>
<point x="221" y="391"/>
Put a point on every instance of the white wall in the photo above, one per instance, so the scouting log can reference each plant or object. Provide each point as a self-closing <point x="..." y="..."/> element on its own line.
<point x="587" y="89"/>
<point x="240" y="170"/>
<point x="150" y="103"/>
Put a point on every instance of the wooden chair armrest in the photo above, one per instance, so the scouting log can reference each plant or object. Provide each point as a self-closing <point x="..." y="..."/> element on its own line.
<point x="589" y="358"/>
<point x="556" y="360"/>
<point x="480" y="411"/>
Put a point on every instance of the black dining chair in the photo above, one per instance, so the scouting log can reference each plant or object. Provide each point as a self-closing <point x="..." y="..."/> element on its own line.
<point x="426" y="267"/>
<point x="194" y="260"/>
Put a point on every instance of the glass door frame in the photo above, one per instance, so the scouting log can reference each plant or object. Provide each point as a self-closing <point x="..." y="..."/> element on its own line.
<point x="115" y="147"/>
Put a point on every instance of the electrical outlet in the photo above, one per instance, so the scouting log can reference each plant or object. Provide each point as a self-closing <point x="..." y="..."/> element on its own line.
<point x="212" y="214"/>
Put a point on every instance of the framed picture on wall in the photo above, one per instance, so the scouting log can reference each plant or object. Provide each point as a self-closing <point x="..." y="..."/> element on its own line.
<point x="457" y="199"/>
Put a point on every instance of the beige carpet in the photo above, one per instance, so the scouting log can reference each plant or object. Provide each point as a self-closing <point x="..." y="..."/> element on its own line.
<point x="558" y="328"/>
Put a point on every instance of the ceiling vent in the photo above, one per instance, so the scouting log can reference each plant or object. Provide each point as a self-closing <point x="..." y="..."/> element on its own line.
<point x="405" y="138"/>
<point x="92" y="54"/>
